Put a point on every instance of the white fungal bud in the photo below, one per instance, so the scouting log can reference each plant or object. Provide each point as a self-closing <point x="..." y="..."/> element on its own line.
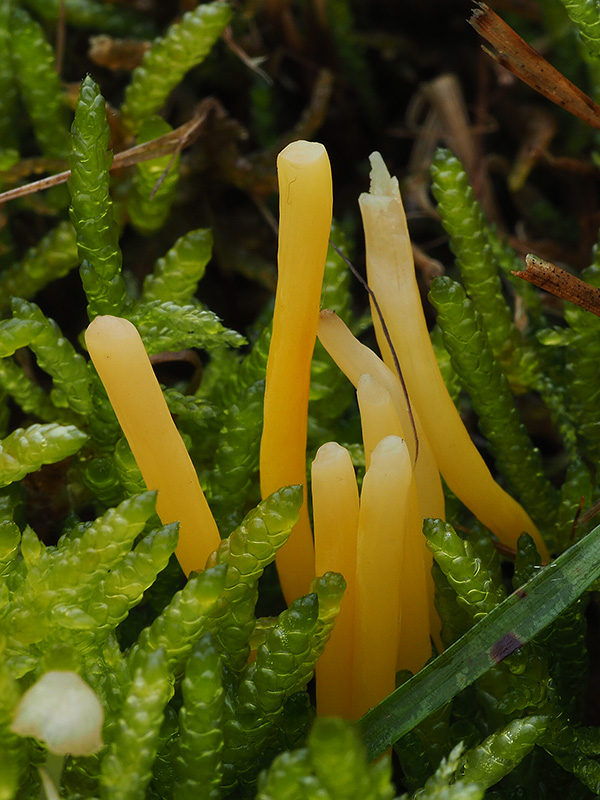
<point x="63" y="712"/>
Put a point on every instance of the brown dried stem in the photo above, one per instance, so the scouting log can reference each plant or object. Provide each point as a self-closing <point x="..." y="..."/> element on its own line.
<point x="172" y="142"/>
<point x="515" y="55"/>
<point x="560" y="283"/>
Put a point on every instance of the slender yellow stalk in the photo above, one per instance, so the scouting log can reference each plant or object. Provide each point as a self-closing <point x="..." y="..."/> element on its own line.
<point x="354" y="359"/>
<point x="122" y="363"/>
<point x="391" y="277"/>
<point x="335" y="520"/>
<point x="378" y="415"/>
<point x="379" y="418"/>
<point x="305" y="208"/>
<point x="379" y="569"/>
<point x="419" y="618"/>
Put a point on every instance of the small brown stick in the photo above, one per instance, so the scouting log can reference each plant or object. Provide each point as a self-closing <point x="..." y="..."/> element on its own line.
<point x="252" y="63"/>
<point x="539" y="131"/>
<point x="172" y="142"/>
<point x="183" y="142"/>
<point x="515" y="55"/>
<point x="446" y="97"/>
<point x="589" y="515"/>
<point x="429" y="267"/>
<point x="561" y="283"/>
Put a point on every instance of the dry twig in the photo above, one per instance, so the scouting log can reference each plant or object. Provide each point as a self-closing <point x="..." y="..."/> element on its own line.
<point x="172" y="142"/>
<point x="561" y="283"/>
<point x="515" y="55"/>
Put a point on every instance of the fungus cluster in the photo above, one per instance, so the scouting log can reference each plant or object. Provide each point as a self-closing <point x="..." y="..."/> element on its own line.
<point x="412" y="433"/>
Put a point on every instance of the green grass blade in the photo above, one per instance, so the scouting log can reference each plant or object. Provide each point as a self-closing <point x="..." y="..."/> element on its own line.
<point x="515" y="621"/>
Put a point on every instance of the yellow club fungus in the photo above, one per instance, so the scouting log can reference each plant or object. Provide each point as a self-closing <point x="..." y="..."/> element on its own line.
<point x="379" y="570"/>
<point x="305" y="209"/>
<point x="356" y="359"/>
<point x="391" y="277"/>
<point x="122" y="363"/>
<point x="335" y="519"/>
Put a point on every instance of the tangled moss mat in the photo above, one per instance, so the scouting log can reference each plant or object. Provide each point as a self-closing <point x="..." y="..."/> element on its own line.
<point x="182" y="245"/>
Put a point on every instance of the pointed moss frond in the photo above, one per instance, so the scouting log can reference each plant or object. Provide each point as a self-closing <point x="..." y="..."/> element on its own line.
<point x="527" y="561"/>
<point x="53" y="601"/>
<point x="484" y="547"/>
<point x="198" y="422"/>
<point x="329" y="589"/>
<point x="26" y="393"/>
<point x="279" y="670"/>
<point x="285" y="777"/>
<point x="576" y="749"/>
<point x="39" y="83"/>
<point x="284" y="664"/>
<point x="455" y="619"/>
<point x="246" y="553"/>
<point x="124" y="586"/>
<point x="463" y="219"/>
<point x="91" y="207"/>
<point x="103" y="426"/>
<point x="475" y="589"/>
<point x="17" y="333"/>
<point x="127" y="767"/>
<point x="516" y="686"/>
<point x="333" y="764"/>
<point x="443" y="785"/>
<point x="126" y="468"/>
<point x="57" y="356"/>
<point x="509" y="261"/>
<point x="501" y="752"/>
<point x="177" y="274"/>
<point x="585" y="16"/>
<point x="240" y="391"/>
<point x="185" y="44"/>
<point x="155" y="182"/>
<point x="237" y="457"/>
<point x="421" y="750"/>
<point x="25" y="450"/>
<point x="183" y="622"/>
<point x="169" y="326"/>
<point x="101" y="476"/>
<point x="10" y="539"/>
<point x="472" y="358"/>
<point x="198" y="760"/>
<point x="254" y="366"/>
<point x="581" y="374"/>
<point x="563" y="642"/>
<point x="577" y="492"/>
<point x="52" y="258"/>
<point x="480" y="256"/>
<point x="451" y="379"/>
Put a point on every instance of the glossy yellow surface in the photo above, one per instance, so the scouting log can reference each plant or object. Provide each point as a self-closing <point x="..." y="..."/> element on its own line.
<point x="122" y="363"/>
<point x="391" y="276"/>
<point x="305" y="209"/>
<point x="335" y="520"/>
